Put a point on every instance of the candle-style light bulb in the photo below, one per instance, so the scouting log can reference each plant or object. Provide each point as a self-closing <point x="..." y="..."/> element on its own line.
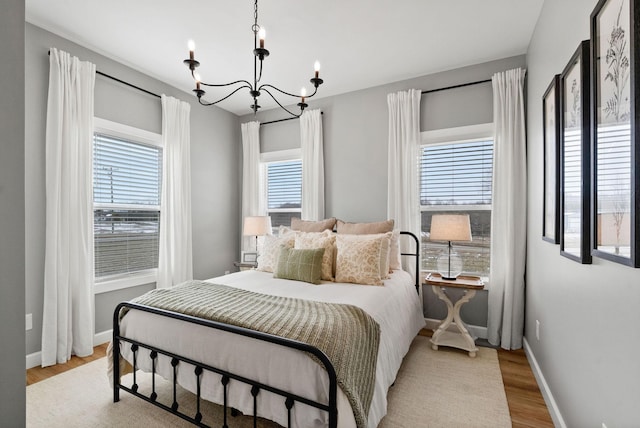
<point x="197" y="77"/>
<point x="303" y="93"/>
<point x="316" y="67"/>
<point x="192" y="47"/>
<point x="261" y="35"/>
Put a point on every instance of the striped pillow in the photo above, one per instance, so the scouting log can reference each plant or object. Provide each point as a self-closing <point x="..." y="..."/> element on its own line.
<point x="300" y="265"/>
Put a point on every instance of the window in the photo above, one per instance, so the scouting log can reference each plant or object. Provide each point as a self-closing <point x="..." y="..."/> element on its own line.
<point x="456" y="167"/>
<point x="283" y="183"/>
<point x="127" y="178"/>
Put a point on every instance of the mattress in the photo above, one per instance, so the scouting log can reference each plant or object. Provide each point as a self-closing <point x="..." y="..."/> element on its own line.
<point x="395" y="306"/>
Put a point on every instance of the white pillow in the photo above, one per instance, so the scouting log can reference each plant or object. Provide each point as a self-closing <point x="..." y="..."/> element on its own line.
<point x="283" y="230"/>
<point x="363" y="259"/>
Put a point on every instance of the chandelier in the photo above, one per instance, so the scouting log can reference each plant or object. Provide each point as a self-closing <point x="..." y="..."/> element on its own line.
<point x="259" y="53"/>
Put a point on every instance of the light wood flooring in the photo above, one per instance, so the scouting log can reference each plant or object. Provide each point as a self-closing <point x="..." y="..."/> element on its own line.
<point x="526" y="404"/>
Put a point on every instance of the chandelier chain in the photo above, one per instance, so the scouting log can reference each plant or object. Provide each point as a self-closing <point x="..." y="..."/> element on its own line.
<point x="255" y="26"/>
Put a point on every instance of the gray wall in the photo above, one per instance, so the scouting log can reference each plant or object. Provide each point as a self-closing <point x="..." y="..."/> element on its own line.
<point x="215" y="156"/>
<point x="12" y="259"/>
<point x="356" y="130"/>
<point x="588" y="348"/>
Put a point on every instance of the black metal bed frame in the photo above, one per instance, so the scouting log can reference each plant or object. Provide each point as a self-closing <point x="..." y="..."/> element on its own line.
<point x="226" y="376"/>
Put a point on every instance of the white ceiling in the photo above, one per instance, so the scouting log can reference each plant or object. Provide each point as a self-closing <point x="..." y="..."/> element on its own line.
<point x="360" y="43"/>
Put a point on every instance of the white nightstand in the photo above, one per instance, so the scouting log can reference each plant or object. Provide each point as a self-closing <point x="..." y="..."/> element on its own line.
<point x="443" y="336"/>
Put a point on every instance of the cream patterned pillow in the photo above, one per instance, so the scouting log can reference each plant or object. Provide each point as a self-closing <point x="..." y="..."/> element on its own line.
<point x="268" y="258"/>
<point x="395" y="259"/>
<point x="362" y="259"/>
<point x="326" y="240"/>
<point x="376" y="227"/>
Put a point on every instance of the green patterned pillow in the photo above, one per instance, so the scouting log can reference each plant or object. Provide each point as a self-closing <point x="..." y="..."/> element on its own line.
<point x="300" y="264"/>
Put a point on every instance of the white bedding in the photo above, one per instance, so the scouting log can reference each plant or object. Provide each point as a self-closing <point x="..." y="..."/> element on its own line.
<point x="395" y="306"/>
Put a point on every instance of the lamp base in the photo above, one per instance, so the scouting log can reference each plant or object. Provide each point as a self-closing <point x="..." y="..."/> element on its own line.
<point x="449" y="266"/>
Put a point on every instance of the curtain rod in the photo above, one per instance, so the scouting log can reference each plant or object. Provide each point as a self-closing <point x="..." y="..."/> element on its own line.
<point x="122" y="81"/>
<point x="282" y="120"/>
<point x="428" y="91"/>
<point x="128" y="84"/>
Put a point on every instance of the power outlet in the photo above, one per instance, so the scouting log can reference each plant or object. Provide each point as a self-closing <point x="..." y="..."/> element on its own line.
<point x="537" y="330"/>
<point x="28" y="321"/>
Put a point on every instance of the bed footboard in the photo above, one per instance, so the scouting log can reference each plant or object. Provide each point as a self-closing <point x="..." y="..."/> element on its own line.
<point x="289" y="399"/>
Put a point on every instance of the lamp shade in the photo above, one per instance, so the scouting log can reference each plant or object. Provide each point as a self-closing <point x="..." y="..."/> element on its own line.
<point x="450" y="227"/>
<point x="257" y="226"/>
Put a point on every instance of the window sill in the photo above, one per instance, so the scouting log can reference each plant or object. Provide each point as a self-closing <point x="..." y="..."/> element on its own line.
<point x="121" y="282"/>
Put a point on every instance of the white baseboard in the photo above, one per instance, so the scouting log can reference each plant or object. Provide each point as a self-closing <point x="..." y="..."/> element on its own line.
<point x="475" y="330"/>
<point x="554" y="411"/>
<point x="35" y="359"/>
<point x="102" y="337"/>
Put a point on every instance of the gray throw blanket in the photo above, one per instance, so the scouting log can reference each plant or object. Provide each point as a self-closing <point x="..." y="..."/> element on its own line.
<point x="345" y="333"/>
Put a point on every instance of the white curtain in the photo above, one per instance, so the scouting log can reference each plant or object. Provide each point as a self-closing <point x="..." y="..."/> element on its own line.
<point x="312" y="165"/>
<point x="175" y="259"/>
<point x="403" y="203"/>
<point x="253" y="200"/>
<point x="67" y="325"/>
<point x="509" y="211"/>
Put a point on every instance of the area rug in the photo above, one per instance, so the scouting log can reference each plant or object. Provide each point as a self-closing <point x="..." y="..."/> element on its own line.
<point x="443" y="388"/>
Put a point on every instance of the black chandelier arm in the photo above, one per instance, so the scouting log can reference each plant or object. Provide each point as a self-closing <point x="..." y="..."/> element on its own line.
<point x="278" y="102"/>
<point x="266" y="85"/>
<point x="193" y="74"/>
<point x="212" y="85"/>
<point x="248" y="86"/>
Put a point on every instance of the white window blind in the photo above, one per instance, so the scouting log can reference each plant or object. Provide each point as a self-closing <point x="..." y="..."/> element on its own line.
<point x="127" y="188"/>
<point x="284" y="191"/>
<point x="455" y="178"/>
<point x="456" y="174"/>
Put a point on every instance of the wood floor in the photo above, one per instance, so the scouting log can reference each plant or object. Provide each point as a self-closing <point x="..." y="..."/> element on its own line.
<point x="37" y="374"/>
<point x="526" y="404"/>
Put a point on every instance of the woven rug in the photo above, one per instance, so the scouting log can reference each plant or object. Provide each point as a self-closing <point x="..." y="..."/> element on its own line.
<point x="443" y="388"/>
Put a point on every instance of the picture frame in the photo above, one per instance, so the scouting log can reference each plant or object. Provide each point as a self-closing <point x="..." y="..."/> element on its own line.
<point x="575" y="166"/>
<point x="551" y="162"/>
<point x="249" y="257"/>
<point x="615" y="139"/>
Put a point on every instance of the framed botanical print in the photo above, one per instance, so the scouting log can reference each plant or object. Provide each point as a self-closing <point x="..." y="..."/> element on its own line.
<point x="551" y="162"/>
<point x="616" y="141"/>
<point x="575" y="167"/>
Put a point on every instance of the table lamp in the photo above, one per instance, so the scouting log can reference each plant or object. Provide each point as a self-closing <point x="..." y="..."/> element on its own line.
<point x="257" y="226"/>
<point x="450" y="227"/>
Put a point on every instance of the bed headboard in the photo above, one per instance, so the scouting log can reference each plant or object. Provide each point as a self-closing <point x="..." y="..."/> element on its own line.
<point x="415" y="254"/>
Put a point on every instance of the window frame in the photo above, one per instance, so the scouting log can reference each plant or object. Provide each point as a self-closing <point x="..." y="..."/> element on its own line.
<point x="137" y="135"/>
<point x="455" y="135"/>
<point x="272" y="157"/>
